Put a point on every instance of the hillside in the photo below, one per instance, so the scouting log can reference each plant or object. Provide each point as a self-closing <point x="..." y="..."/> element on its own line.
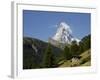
<point x="41" y="54"/>
<point x="85" y="60"/>
<point x="33" y="51"/>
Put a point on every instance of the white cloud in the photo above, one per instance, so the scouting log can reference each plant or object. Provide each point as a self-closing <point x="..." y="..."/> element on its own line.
<point x="53" y="26"/>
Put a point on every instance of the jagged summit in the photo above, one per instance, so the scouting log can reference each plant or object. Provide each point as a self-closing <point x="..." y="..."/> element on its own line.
<point x="63" y="34"/>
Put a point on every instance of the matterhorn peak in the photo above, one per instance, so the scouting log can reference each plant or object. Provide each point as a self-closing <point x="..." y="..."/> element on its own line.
<point x="64" y="25"/>
<point x="64" y="34"/>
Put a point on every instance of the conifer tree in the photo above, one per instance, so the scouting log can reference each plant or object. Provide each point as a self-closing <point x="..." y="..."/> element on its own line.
<point x="66" y="53"/>
<point x="74" y="48"/>
<point x="48" y="58"/>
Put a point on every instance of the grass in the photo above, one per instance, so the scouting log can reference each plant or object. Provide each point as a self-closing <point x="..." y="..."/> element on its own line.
<point x="85" y="60"/>
<point x="87" y="64"/>
<point x="86" y="56"/>
<point x="66" y="64"/>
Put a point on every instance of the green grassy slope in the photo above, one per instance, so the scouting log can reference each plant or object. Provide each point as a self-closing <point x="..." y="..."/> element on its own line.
<point x="85" y="60"/>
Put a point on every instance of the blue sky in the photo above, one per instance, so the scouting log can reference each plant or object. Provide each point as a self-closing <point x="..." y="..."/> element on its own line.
<point x="42" y="24"/>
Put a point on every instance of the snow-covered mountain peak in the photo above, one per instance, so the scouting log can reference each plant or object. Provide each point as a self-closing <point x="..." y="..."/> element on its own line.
<point x="65" y="26"/>
<point x="64" y="34"/>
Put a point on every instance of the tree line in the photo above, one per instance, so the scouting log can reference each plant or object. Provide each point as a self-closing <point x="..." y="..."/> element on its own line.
<point x="74" y="49"/>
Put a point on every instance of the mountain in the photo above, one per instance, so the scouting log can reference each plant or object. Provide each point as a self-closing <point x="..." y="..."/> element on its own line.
<point x="63" y="35"/>
<point x="54" y="51"/>
<point x="33" y="51"/>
